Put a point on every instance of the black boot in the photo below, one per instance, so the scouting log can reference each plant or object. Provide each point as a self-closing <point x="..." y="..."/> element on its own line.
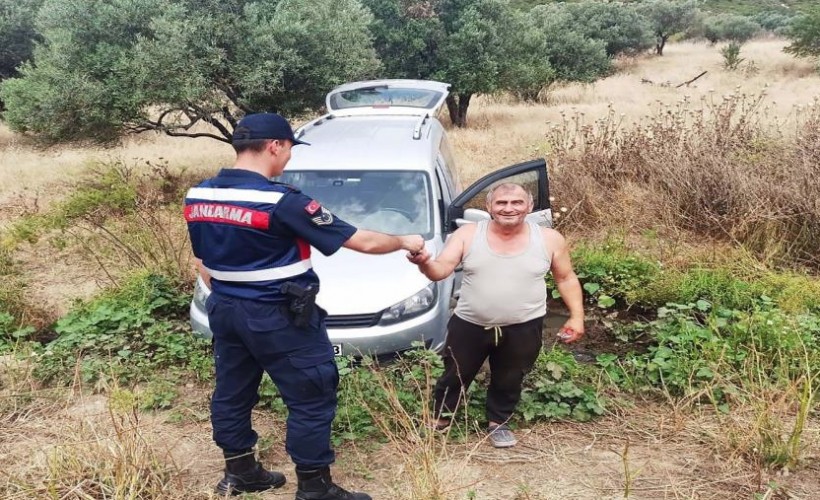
<point x="316" y="484"/>
<point x="243" y="474"/>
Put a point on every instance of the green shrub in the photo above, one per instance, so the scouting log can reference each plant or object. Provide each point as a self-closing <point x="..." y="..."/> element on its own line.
<point x="720" y="351"/>
<point x="610" y="274"/>
<point x="729" y="27"/>
<point x="557" y="388"/>
<point x="731" y="55"/>
<point x="127" y="334"/>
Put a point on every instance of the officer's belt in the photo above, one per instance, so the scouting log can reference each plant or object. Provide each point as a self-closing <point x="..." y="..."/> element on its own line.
<point x="273" y="273"/>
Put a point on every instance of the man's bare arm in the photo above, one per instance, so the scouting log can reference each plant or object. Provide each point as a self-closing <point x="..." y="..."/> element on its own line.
<point x="567" y="283"/>
<point x="445" y="264"/>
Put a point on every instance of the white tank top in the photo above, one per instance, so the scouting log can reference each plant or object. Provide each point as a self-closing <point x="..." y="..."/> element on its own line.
<point x="499" y="290"/>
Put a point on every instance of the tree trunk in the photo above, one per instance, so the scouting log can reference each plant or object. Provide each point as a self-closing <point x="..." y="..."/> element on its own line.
<point x="660" y="44"/>
<point x="457" y="105"/>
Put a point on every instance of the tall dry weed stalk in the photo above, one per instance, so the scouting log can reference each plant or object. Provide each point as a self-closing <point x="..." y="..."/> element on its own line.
<point x="771" y="407"/>
<point x="717" y="168"/>
<point x="150" y="235"/>
<point x="105" y="458"/>
<point x="428" y="470"/>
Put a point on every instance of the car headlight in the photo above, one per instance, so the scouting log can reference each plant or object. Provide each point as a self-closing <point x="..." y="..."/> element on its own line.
<point x="201" y="293"/>
<point x="418" y="304"/>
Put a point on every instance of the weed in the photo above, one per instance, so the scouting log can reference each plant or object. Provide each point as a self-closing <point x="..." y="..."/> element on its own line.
<point x="555" y="390"/>
<point x="629" y="474"/>
<point x="127" y="334"/>
<point x="19" y="318"/>
<point x="731" y="55"/>
<point x="90" y="462"/>
<point x="711" y="168"/>
<point x="119" y="219"/>
<point x="609" y="273"/>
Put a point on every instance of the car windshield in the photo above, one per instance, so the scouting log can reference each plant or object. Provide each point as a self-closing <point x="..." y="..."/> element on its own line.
<point x="393" y="202"/>
<point x="385" y="96"/>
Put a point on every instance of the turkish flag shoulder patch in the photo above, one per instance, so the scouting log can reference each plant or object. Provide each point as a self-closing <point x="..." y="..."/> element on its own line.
<point x="312" y="207"/>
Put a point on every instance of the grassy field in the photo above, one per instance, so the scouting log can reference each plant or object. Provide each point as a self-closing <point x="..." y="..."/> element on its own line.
<point x="692" y="211"/>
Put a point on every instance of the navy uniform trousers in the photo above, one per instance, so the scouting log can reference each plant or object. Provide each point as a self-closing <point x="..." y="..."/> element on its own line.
<point x="251" y="337"/>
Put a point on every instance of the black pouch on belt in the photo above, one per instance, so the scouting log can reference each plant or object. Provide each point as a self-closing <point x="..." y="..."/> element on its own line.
<point x="302" y="302"/>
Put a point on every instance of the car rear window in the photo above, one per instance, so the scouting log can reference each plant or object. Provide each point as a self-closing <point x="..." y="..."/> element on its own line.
<point x="383" y="96"/>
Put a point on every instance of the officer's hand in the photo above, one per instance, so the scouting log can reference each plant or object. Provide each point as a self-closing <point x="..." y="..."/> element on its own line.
<point x="419" y="257"/>
<point x="413" y="243"/>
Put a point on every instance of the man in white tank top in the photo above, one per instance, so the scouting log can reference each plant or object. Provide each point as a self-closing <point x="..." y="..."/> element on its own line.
<point x="502" y="305"/>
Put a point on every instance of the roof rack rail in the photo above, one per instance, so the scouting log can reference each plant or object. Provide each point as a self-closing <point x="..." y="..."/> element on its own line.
<point x="313" y="123"/>
<point x="419" y="125"/>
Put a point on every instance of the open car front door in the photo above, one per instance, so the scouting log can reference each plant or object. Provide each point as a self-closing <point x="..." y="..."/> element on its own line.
<point x="471" y="205"/>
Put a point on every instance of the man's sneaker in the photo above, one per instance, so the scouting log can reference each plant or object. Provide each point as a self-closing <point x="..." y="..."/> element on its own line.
<point x="501" y="436"/>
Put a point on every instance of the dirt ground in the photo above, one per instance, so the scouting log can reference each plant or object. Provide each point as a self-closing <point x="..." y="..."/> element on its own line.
<point x="664" y="454"/>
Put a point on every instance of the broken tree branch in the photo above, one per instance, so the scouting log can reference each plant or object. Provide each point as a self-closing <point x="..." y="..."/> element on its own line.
<point x="690" y="81"/>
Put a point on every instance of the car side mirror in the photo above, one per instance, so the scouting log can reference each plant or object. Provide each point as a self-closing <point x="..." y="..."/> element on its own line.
<point x="471" y="216"/>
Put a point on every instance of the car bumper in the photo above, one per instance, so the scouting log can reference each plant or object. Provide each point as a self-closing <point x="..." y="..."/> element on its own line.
<point x="428" y="329"/>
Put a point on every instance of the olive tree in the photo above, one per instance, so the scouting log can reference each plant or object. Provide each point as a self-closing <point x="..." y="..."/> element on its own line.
<point x="669" y="17"/>
<point x="620" y="26"/>
<point x="477" y="46"/>
<point x="730" y="27"/>
<point x="17" y="35"/>
<point x="805" y="35"/>
<point x="573" y="56"/>
<point x="186" y="67"/>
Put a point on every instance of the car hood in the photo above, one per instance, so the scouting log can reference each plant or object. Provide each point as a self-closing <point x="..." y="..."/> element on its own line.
<point x="357" y="283"/>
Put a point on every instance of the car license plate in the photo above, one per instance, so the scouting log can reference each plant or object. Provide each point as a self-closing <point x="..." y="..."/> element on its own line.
<point x="337" y="349"/>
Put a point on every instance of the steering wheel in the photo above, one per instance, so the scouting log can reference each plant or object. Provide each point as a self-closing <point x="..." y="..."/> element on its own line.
<point x="405" y="213"/>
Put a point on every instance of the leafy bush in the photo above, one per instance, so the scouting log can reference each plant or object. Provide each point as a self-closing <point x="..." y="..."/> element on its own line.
<point x="622" y="29"/>
<point x="669" y="18"/>
<point x="731" y="55"/>
<point x="611" y="274"/>
<point x="776" y="22"/>
<point x="573" y="56"/>
<point x="805" y="34"/>
<point x="721" y="350"/>
<point x="139" y="65"/>
<point x="557" y="389"/>
<point x="128" y="334"/>
<point x="17" y="34"/>
<point x="729" y="27"/>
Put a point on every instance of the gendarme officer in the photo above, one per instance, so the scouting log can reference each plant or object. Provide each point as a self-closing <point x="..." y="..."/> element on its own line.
<point x="253" y="238"/>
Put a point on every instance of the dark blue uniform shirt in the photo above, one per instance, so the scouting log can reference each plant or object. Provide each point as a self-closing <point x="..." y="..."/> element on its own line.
<point x="253" y="234"/>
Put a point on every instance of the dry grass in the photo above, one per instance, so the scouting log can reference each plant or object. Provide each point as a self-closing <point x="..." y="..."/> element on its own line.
<point x="39" y="172"/>
<point x="501" y="133"/>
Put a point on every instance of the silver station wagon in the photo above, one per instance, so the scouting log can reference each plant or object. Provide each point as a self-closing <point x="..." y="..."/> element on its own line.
<point x="380" y="160"/>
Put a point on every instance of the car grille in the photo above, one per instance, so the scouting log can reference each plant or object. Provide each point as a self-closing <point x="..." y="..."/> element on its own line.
<point x="352" y="320"/>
